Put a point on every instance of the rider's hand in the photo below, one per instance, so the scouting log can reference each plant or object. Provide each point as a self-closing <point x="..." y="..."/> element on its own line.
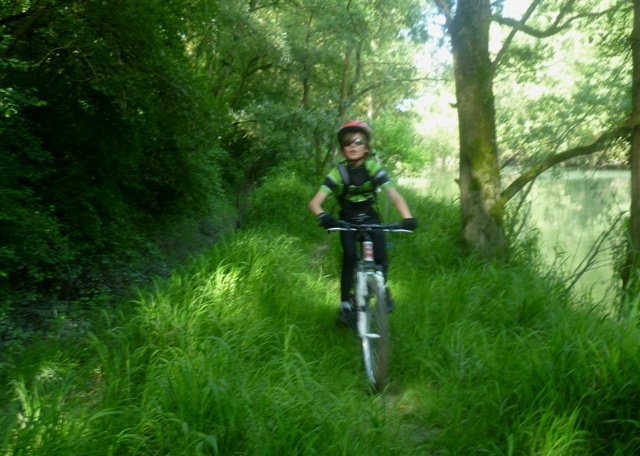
<point x="409" y="224"/>
<point x="327" y="221"/>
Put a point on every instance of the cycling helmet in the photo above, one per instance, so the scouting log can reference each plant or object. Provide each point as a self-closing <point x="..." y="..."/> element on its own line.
<point x="354" y="126"/>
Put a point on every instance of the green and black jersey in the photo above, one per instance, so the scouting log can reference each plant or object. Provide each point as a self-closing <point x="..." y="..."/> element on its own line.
<point x="363" y="183"/>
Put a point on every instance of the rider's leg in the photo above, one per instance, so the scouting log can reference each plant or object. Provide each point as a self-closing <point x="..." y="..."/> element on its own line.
<point x="346" y="313"/>
<point x="380" y="250"/>
<point x="349" y="261"/>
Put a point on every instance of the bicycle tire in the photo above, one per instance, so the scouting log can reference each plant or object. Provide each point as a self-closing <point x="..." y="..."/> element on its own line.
<point x="375" y="341"/>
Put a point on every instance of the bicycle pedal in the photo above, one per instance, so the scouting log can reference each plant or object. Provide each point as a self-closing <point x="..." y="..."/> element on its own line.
<point x="346" y="320"/>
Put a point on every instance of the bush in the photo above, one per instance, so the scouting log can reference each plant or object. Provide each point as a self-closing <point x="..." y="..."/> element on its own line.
<point x="282" y="200"/>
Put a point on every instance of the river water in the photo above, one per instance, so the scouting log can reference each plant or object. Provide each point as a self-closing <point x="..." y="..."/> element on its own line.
<point x="571" y="210"/>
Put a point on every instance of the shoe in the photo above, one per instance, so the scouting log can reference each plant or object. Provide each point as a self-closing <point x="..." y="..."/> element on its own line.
<point x="346" y="316"/>
<point x="390" y="304"/>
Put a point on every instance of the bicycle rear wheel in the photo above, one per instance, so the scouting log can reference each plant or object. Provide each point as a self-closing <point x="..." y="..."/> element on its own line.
<point x="375" y="340"/>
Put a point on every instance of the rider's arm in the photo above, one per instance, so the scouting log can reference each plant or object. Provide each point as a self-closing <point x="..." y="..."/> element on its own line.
<point x="328" y="186"/>
<point x="399" y="202"/>
<point x="315" y="205"/>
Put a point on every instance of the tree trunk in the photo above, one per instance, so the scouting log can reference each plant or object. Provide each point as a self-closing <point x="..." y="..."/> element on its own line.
<point x="633" y="259"/>
<point x="481" y="203"/>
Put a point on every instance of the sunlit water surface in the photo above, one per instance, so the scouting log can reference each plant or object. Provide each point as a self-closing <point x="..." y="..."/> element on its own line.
<point x="571" y="211"/>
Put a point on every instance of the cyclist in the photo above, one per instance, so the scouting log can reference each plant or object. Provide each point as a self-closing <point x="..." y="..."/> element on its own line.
<point x="354" y="182"/>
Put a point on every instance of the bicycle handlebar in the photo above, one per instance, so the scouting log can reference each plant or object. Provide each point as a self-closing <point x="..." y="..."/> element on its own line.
<point x="390" y="227"/>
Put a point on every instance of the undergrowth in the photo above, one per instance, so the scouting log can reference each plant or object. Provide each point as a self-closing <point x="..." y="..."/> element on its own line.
<point x="237" y="353"/>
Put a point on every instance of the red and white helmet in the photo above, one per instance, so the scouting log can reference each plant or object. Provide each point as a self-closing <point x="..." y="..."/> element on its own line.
<point x="353" y="126"/>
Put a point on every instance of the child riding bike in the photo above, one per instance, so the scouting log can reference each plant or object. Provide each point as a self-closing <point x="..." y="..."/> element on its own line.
<point x="355" y="182"/>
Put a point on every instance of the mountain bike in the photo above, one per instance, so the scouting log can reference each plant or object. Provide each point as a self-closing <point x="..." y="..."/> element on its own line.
<point x="370" y="293"/>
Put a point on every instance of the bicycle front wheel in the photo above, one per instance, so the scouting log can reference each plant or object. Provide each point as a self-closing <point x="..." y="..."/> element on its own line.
<point x="375" y="340"/>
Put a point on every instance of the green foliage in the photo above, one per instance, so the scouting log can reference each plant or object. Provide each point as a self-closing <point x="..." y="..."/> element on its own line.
<point x="35" y="251"/>
<point x="401" y="147"/>
<point x="281" y="200"/>
<point x="106" y="140"/>
<point x="269" y="136"/>
<point x="125" y="123"/>
<point x="626" y="266"/>
<point x="12" y="100"/>
<point x="563" y="91"/>
<point x="289" y="73"/>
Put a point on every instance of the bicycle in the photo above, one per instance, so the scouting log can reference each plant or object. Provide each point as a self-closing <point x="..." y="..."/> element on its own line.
<point x="370" y="293"/>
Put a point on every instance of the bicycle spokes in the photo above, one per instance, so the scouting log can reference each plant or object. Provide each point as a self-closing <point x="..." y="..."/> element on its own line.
<point x="374" y="333"/>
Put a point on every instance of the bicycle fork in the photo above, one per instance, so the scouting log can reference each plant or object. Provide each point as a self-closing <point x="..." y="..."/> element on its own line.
<point x="362" y="300"/>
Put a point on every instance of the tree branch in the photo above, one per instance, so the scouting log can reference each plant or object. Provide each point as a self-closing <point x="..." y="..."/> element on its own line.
<point x="599" y="144"/>
<point x="253" y="5"/>
<point x="588" y="261"/>
<point x="15" y="17"/>
<point x="446" y="12"/>
<point x="385" y="82"/>
<point x="509" y="22"/>
<point x="513" y="32"/>
<point x="557" y="26"/>
<point x="346" y="65"/>
<point x="30" y="18"/>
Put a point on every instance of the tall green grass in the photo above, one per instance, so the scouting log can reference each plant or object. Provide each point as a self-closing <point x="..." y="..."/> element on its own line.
<point x="237" y="353"/>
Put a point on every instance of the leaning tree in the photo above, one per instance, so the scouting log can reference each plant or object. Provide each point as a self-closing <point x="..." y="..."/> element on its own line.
<point x="632" y="267"/>
<point x="483" y="200"/>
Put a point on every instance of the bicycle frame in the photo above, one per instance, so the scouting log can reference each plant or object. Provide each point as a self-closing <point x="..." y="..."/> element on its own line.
<point x="372" y="321"/>
<point x="365" y="268"/>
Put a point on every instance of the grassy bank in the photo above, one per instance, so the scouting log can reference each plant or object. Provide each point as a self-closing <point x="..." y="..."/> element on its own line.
<point x="237" y="353"/>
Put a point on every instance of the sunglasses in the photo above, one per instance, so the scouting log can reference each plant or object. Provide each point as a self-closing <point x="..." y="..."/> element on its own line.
<point x="355" y="142"/>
